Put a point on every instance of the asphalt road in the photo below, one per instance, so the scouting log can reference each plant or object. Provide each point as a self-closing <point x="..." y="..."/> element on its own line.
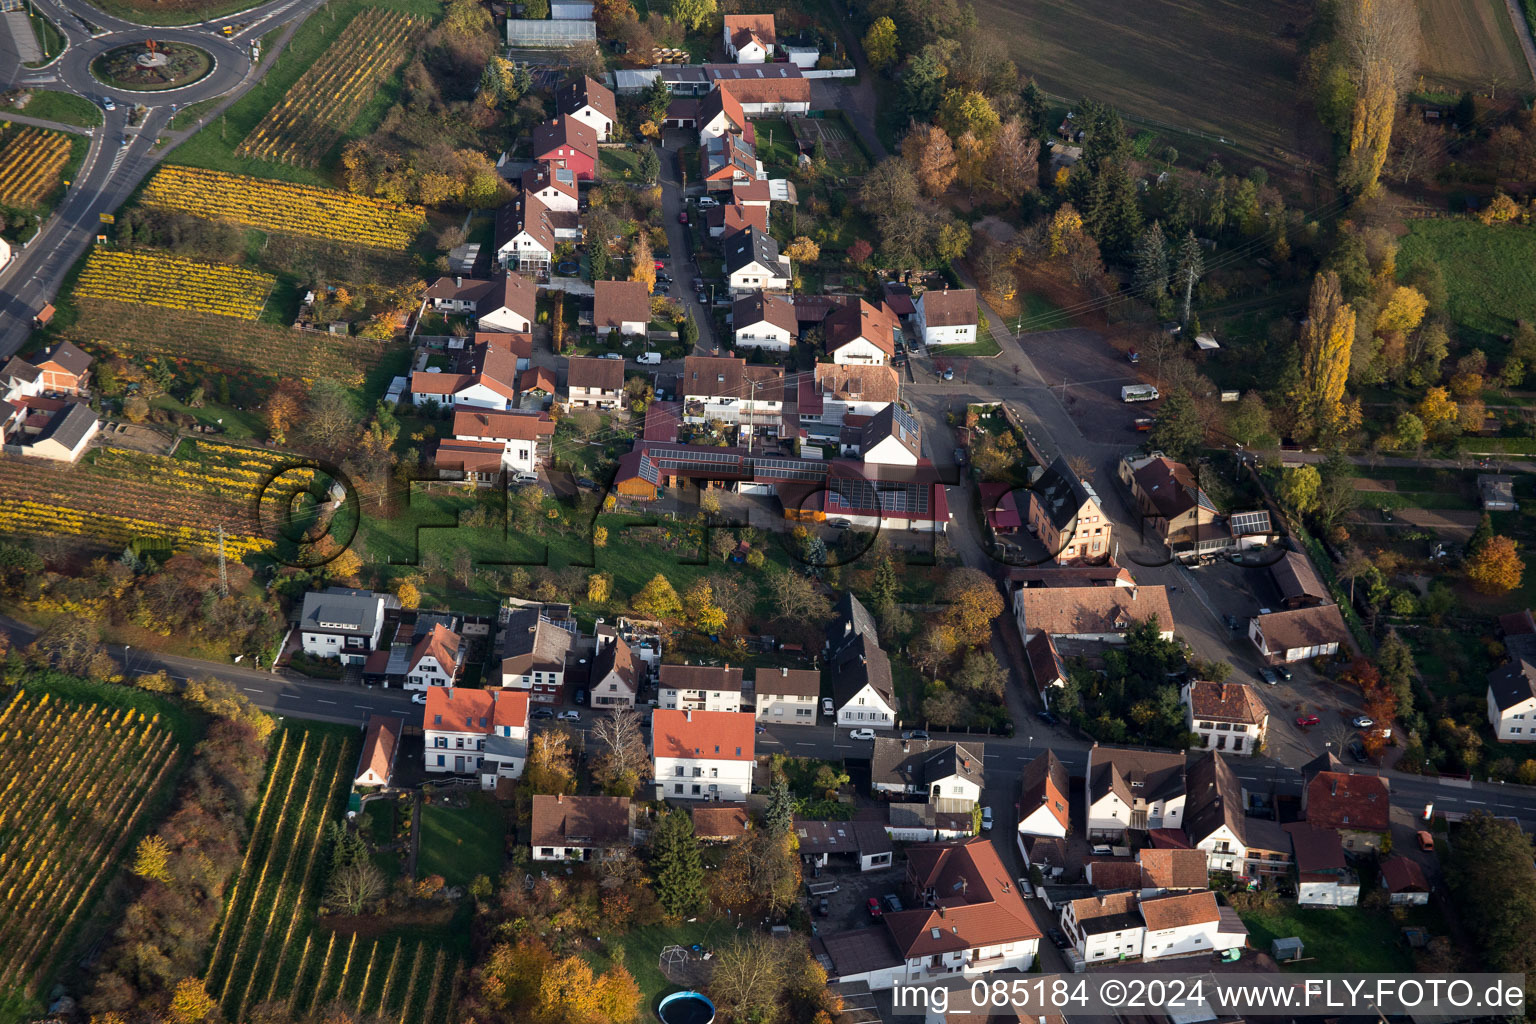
<point x="112" y="168"/>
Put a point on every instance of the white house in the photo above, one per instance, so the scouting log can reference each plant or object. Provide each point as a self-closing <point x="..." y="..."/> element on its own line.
<point x="435" y="660"/>
<point x="594" y="383"/>
<point x="1512" y="697"/>
<point x="947" y="316"/>
<point x="1133" y="789"/>
<point x="1044" y="799"/>
<point x="579" y="828"/>
<point x="702" y="755"/>
<point x="553" y="186"/>
<point x="787" y="696"/>
<point x="934" y="769"/>
<point x="727" y="389"/>
<point x="764" y="321"/>
<point x="522" y="438"/>
<point x="861" y="333"/>
<point x="1213" y="813"/>
<point x="525" y="235"/>
<point x="341" y="623"/>
<point x="381" y="745"/>
<point x="503" y="303"/>
<point x="623" y="306"/>
<point x="485" y="375"/>
<point x="719" y="115"/>
<point x="749" y="38"/>
<point x="753" y="263"/>
<point x="863" y="693"/>
<point x="699" y="688"/>
<point x="616" y="673"/>
<point x="839" y="391"/>
<point x="966" y="919"/>
<point x="533" y="655"/>
<point x="891" y="438"/>
<point x="1323" y="875"/>
<point x="476" y="731"/>
<point x="1299" y="633"/>
<point x="590" y="102"/>
<point x="1225" y="716"/>
<point x="1105" y="927"/>
<point x="1178" y="925"/>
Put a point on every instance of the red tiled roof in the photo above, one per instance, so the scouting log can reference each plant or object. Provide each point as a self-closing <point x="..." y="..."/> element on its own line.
<point x="587" y="92"/>
<point x="714" y="735"/>
<point x="470" y="456"/>
<point x="1227" y="702"/>
<point x="978" y="902"/>
<point x="874" y="324"/>
<point x="616" y="303"/>
<point x="1174" y="869"/>
<point x="742" y="27"/>
<point x="457" y="709"/>
<point x="518" y="426"/>
<point x="563" y="131"/>
<point x="720" y="821"/>
<point x="537" y="378"/>
<point x="379" y="746"/>
<point x="442" y="644"/>
<point x="1403" y="874"/>
<point x="589" y="372"/>
<point x="948" y="307"/>
<point x="661" y="421"/>
<point x="564" y="821"/>
<point x="1168" y="912"/>
<point x="1359" y="802"/>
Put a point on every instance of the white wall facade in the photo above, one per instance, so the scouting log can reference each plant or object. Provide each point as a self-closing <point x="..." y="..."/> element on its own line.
<point x="696" y="778"/>
<point x="505" y="319"/>
<point x="859" y="352"/>
<point x="428" y="672"/>
<point x="866" y="710"/>
<point x="786" y="709"/>
<point x="764" y="335"/>
<point x="753" y="277"/>
<point x="1327" y="894"/>
<point x="698" y="700"/>
<point x="1193" y="938"/>
<point x="1513" y="725"/>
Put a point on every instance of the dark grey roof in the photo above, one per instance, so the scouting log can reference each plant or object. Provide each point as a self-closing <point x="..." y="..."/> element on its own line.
<point x="1264" y="834"/>
<point x="20" y="369"/>
<point x="852" y="620"/>
<point x="339" y="610"/>
<point x="745" y="247"/>
<point x="1295" y="577"/>
<point x="1061" y="493"/>
<point x="69" y="426"/>
<point x="861" y="662"/>
<point x="860" y="951"/>
<point x="917" y="764"/>
<point x="532" y="641"/>
<point x="1033" y="791"/>
<point x="1512" y="683"/>
<point x="1212" y="798"/>
<point x="1149" y="774"/>
<point x="891" y="421"/>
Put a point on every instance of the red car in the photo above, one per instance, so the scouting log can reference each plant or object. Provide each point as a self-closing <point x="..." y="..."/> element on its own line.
<point x="874" y="907"/>
<point x="659" y="264"/>
<point x="682" y="217"/>
<point x="1306" y="720"/>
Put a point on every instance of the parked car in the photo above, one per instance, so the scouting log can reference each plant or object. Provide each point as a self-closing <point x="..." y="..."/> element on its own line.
<point x="1026" y="889"/>
<point x="107" y="104"/>
<point x="823" y="907"/>
<point x="648" y="358"/>
<point x="893" y="903"/>
<point x="826" y="706"/>
<point x="1283" y="672"/>
<point x="586" y="481"/>
<point x="949" y="374"/>
<point x="862" y="734"/>
<point x="662" y="288"/>
<point x="915" y="734"/>
<point x="1356" y="751"/>
<point x="611" y="355"/>
<point x="1386" y="514"/>
<point x="1361" y="722"/>
<point x="659" y="265"/>
<point x="1426" y="841"/>
<point x="703" y="299"/>
<point x="1306" y="720"/>
<point x="525" y="478"/>
<point x="840" y="524"/>
<point x="418" y="698"/>
<point x="986" y="819"/>
<point x="873" y="906"/>
<point x="959" y="456"/>
<point x="1268" y="675"/>
<point x="1172" y="327"/>
<point x="581" y="697"/>
<point x="1048" y="717"/>
<point x="569" y="716"/>
<point x="542" y="713"/>
<point x="682" y="216"/>
<point x="1058" y="938"/>
<point x="708" y="202"/>
<point x="698" y="284"/>
<point x="1133" y="356"/>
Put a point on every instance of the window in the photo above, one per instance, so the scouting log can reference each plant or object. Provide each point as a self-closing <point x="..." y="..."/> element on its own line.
<point x="678" y="789"/>
<point x="441" y="760"/>
<point x="698" y="773"/>
<point x="545" y="851"/>
<point x="679" y="772"/>
<point x="695" y="790"/>
<point x="459" y="743"/>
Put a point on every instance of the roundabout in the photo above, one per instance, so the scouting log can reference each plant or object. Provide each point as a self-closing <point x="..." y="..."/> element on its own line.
<point x="152" y="66"/>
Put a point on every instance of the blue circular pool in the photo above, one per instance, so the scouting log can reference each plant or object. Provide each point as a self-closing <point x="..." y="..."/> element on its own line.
<point x="686" y="1008"/>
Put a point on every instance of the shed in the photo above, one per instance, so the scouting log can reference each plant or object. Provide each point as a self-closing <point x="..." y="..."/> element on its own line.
<point x="1206" y="342"/>
<point x="549" y="34"/>
<point x="1498" y="493"/>
<point x="1286" y="949"/>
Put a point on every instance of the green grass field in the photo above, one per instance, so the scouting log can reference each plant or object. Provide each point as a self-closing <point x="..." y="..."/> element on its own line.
<point x="462" y="843"/>
<point x="214" y="146"/>
<point x="1366" y="941"/>
<point x="63" y="107"/>
<point x="1490" y="272"/>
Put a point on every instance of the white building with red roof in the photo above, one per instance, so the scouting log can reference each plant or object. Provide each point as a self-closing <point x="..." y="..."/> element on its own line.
<point x="749" y="38"/>
<point x="521" y="440"/>
<point x="484" y="732"/>
<point x="435" y="659"/>
<point x="967" y="919"/>
<point x="702" y="755"/>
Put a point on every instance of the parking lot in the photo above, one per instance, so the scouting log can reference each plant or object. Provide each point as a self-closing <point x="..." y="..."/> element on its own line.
<point x="1093" y="372"/>
<point x="848" y="907"/>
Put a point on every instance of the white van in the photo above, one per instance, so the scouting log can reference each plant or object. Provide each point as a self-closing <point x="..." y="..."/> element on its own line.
<point x="648" y="358"/>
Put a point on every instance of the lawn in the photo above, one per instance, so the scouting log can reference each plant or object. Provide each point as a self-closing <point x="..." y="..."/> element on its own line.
<point x="49" y="39"/>
<point x="461" y="844"/>
<point x="1368" y="942"/>
<point x="62" y="107"/>
<point x="984" y="345"/>
<point x="618" y="164"/>
<point x="1470" y="45"/>
<point x="642" y="951"/>
<point x="1038" y="313"/>
<point x="1490" y="272"/>
<point x="235" y="423"/>
<point x="214" y="146"/>
<point x="1236" y="62"/>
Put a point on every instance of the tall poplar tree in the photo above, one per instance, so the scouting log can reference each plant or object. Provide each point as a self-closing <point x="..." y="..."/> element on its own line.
<point x="1318" y="400"/>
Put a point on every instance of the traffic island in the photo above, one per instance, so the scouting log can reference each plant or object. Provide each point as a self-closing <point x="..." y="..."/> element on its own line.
<point x="152" y="66"/>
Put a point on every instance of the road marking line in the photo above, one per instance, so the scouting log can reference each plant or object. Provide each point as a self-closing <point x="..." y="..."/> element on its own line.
<point x="365" y="707"/>
<point x="1477" y="801"/>
<point x="319" y="701"/>
<point x="252" y="689"/>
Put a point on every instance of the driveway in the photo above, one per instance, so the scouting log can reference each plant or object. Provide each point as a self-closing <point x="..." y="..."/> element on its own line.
<point x="681" y="264"/>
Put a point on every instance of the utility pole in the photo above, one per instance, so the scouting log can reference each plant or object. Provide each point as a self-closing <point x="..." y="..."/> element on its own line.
<point x="223" y="571"/>
<point x="751" y="404"/>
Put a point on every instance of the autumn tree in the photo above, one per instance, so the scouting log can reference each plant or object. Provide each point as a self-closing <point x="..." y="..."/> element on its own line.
<point x="966" y="110"/>
<point x="283" y="409"/>
<point x="408" y="595"/>
<point x="803" y="250"/>
<point x="550" y="762"/>
<point x="1439" y="414"/>
<point x="690" y="13"/>
<point x="152" y="859"/>
<point x="657" y="600"/>
<point x="995" y="267"/>
<point x="624" y="760"/>
<point x="1370" y="131"/>
<point x="642" y="265"/>
<point x="702" y="612"/>
<point x="599" y="587"/>
<point x="1066" y="223"/>
<point x="1496" y="567"/>
<point x="931" y="156"/>
<point x="1318" y="400"/>
<point x="1299" y="487"/>
<point x="1013" y="167"/>
<point x="972" y="601"/>
<point x="880" y="43"/>
<point x="191" y="1003"/>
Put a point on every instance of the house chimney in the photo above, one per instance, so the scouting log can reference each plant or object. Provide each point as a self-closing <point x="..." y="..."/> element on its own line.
<point x="687" y="714"/>
<point x="941" y="910"/>
<point x="1333" y="788"/>
<point x="458" y="282"/>
<point x="559" y="798"/>
<point x="783" y="671"/>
